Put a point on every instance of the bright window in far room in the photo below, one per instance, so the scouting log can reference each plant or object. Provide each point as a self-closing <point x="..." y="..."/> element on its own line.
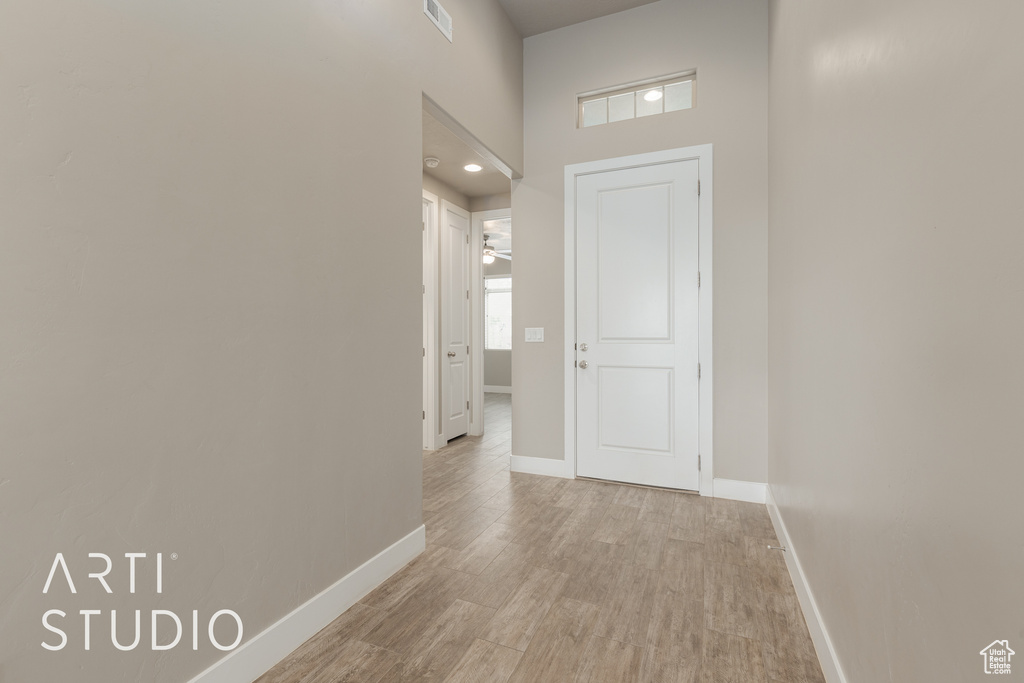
<point x="498" y="312"/>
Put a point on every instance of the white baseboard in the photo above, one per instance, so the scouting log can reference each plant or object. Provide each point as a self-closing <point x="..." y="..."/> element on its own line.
<point x="494" y="389"/>
<point x="815" y="624"/>
<point x="746" y="491"/>
<point x="259" y="654"/>
<point x="544" y="466"/>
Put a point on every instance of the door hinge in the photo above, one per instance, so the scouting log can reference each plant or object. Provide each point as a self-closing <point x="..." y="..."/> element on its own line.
<point x="424" y="226"/>
<point x="698" y="187"/>
<point x="698" y="462"/>
<point x="698" y="279"/>
<point x="467" y="349"/>
<point x="424" y="415"/>
<point x="467" y="239"/>
<point x="424" y="351"/>
<point x="424" y="289"/>
<point x="698" y="370"/>
<point x="467" y="405"/>
<point x="467" y="293"/>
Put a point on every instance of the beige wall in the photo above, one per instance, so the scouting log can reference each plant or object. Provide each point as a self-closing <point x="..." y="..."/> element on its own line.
<point x="210" y="319"/>
<point x="491" y="202"/>
<point x="445" y="191"/>
<point x="498" y="367"/>
<point x="727" y="42"/>
<point x="896" y="289"/>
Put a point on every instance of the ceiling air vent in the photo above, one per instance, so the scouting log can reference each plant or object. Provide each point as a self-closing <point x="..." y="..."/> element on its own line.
<point x="437" y="14"/>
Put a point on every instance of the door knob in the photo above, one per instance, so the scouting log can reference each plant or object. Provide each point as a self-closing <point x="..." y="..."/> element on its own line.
<point x="583" y="346"/>
<point x="583" y="365"/>
<point x="451" y="354"/>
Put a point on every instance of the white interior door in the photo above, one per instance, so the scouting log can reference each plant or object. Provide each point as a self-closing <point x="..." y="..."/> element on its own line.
<point x="637" y="378"/>
<point x="455" y="279"/>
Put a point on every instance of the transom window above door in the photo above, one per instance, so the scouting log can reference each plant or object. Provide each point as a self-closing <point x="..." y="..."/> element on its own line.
<point x="643" y="98"/>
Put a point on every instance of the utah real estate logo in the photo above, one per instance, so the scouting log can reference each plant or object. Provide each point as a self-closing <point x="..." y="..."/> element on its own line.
<point x="997" y="657"/>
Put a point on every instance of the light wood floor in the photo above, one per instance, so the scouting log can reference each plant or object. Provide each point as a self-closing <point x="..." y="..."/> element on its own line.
<point x="540" y="580"/>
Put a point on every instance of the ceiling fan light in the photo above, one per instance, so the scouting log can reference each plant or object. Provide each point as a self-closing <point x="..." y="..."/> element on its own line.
<point x="488" y="256"/>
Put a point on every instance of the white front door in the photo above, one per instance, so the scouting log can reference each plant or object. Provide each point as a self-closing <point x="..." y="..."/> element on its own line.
<point x="637" y="295"/>
<point x="455" y="278"/>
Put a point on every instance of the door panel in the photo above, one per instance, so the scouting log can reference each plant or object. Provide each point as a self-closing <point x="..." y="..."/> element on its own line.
<point x="637" y="392"/>
<point x="455" y="321"/>
<point x="635" y="409"/>
<point x="634" y="275"/>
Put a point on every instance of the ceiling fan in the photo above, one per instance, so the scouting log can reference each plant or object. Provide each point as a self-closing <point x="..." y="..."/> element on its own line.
<point x="490" y="253"/>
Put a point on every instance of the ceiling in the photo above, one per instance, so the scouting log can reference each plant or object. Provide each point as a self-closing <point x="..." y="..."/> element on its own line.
<point x="439" y="142"/>
<point x="531" y="17"/>
<point x="499" y="233"/>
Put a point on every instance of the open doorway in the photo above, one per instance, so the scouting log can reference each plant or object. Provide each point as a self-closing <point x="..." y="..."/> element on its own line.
<point x="466" y="194"/>
<point x="495" y="228"/>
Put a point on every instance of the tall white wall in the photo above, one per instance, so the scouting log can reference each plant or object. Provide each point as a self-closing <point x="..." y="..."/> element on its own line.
<point x="210" y="301"/>
<point x="896" y="293"/>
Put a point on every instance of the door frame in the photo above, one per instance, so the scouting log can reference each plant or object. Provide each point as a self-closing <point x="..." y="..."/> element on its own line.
<point x="705" y="400"/>
<point x="476" y="418"/>
<point x="432" y="438"/>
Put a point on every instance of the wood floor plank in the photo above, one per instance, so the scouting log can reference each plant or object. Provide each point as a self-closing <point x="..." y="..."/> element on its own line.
<point x="731" y="600"/>
<point x="626" y="614"/>
<point x="647" y="544"/>
<point x="461" y="532"/>
<point x="769" y="566"/>
<point x="724" y="515"/>
<point x="559" y="644"/>
<point x="476" y="556"/>
<point x="485" y="661"/>
<point x="573" y="494"/>
<point x="683" y="568"/>
<point x="609" y="661"/>
<point x="723" y="547"/>
<point x="401" y="628"/>
<point x="631" y="496"/>
<point x="675" y="640"/>
<point x="593" y="573"/>
<point x="786" y="644"/>
<point x="731" y="659"/>
<point x="688" y="519"/>
<point x="756" y="522"/>
<point x="518" y="618"/>
<point x="316" y="653"/>
<point x="406" y="582"/>
<point x="658" y="506"/>
<point x="446" y="640"/>
<point x="543" y="527"/>
<point x="495" y="583"/>
<point x="357" y="662"/>
<point x="617" y="524"/>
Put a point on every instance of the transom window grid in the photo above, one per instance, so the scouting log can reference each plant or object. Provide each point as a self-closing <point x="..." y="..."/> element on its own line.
<point x="644" y="98"/>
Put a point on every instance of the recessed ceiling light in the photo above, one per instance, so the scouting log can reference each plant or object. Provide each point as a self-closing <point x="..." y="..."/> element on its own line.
<point x="473" y="168"/>
<point x="652" y="95"/>
<point x="432" y="162"/>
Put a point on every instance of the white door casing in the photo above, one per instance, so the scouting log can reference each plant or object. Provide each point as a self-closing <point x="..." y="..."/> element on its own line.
<point x="476" y="299"/>
<point x="455" y="320"/>
<point x="432" y="437"/>
<point x="637" y="235"/>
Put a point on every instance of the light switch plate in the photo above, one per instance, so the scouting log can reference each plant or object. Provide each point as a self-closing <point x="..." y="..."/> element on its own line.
<point x="534" y="334"/>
